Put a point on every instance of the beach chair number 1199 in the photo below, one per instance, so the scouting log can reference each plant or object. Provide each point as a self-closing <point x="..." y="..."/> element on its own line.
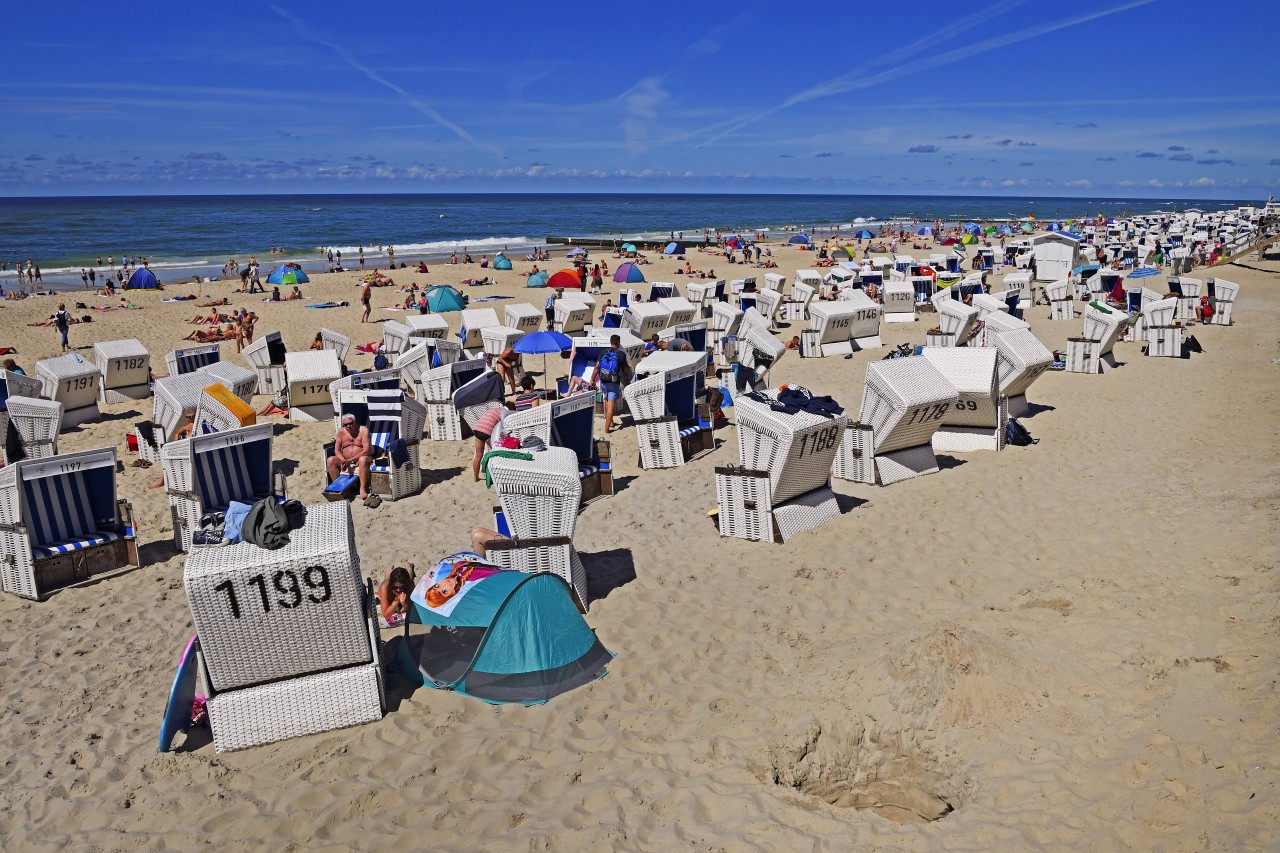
<point x="286" y="583"/>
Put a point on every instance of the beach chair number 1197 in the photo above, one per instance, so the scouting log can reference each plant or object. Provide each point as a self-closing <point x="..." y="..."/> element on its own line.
<point x="286" y="583"/>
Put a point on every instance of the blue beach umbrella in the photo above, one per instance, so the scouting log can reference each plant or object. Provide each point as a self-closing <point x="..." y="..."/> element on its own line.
<point x="674" y="249"/>
<point x="442" y="298"/>
<point x="1085" y="268"/>
<point x="864" y="234"/>
<point x="628" y="247"/>
<point x="543" y="343"/>
<point x="1144" y="272"/>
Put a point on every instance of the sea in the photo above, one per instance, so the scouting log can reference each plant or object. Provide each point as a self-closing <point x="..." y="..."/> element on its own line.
<point x="182" y="236"/>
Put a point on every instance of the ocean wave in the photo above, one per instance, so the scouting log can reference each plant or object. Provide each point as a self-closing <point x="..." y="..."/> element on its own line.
<point x="479" y="244"/>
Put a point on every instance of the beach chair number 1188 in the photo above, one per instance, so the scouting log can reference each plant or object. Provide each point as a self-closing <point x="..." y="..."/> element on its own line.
<point x="286" y="583"/>
<point x="820" y="441"/>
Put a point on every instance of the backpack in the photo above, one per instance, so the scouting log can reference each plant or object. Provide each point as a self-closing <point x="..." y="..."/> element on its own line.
<point x="380" y="362"/>
<point x="610" y="366"/>
<point x="1016" y="434"/>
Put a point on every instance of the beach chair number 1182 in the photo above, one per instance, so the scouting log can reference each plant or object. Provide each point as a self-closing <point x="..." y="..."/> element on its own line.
<point x="286" y="583"/>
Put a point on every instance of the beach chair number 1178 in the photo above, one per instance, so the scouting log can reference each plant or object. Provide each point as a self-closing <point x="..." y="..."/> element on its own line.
<point x="928" y="413"/>
<point x="286" y="583"/>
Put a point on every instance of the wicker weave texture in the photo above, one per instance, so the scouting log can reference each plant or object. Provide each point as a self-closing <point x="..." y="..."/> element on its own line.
<point x="659" y="442"/>
<point x="805" y="513"/>
<point x="797" y="450"/>
<point x="1062" y="309"/>
<point x="973" y="373"/>
<point x="335" y="342"/>
<point x="496" y="339"/>
<point x="855" y="459"/>
<point x="38" y="423"/>
<point x="1164" y="341"/>
<point x="522" y="316"/>
<point x="562" y="560"/>
<point x="322" y="702"/>
<point x="1020" y="359"/>
<point x="243" y="383"/>
<point x="745" y="511"/>
<point x="125" y="366"/>
<point x="956" y="318"/>
<point x="906" y="463"/>
<point x="310" y="373"/>
<point x="70" y="380"/>
<point x="1160" y="312"/>
<point x="255" y="628"/>
<point x="904" y="401"/>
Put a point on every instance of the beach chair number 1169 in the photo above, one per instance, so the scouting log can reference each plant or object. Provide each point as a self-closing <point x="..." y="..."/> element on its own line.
<point x="286" y="583"/>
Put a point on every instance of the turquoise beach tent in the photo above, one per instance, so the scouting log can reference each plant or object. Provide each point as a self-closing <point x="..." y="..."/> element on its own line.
<point x="501" y="262"/>
<point x="142" y="279"/>
<point x="513" y="637"/>
<point x="539" y="279"/>
<point x="442" y="298"/>
<point x="288" y="274"/>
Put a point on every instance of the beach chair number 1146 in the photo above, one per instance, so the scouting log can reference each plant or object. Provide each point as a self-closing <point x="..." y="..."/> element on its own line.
<point x="286" y="583"/>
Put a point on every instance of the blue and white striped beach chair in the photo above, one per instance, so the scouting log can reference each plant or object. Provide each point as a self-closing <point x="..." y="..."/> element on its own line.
<point x="395" y="421"/>
<point x="61" y="522"/>
<point x="205" y="473"/>
<point x="191" y="359"/>
<point x="570" y="423"/>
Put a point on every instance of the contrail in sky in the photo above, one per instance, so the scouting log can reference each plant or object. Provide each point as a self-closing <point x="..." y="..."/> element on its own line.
<point x="373" y="75"/>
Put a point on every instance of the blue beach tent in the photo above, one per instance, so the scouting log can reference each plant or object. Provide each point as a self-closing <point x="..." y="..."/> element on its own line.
<point x="501" y="262"/>
<point x="674" y="249"/>
<point x="799" y="240"/>
<point x="142" y="279"/>
<point x="441" y="298"/>
<point x="513" y="637"/>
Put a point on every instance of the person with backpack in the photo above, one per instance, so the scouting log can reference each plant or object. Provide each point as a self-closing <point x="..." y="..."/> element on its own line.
<point x="62" y="322"/>
<point x="611" y="373"/>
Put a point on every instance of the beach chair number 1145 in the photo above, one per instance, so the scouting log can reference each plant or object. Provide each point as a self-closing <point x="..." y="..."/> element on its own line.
<point x="286" y="583"/>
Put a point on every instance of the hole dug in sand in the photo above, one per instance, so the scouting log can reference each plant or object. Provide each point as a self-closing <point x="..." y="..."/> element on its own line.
<point x="935" y="694"/>
<point x="854" y="769"/>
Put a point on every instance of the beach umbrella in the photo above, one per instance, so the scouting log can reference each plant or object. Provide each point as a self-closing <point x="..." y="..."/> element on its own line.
<point x="1005" y="229"/>
<point x="287" y="274"/>
<point x="543" y="343"/>
<point x="628" y="247"/>
<point x="566" y="278"/>
<point x="442" y="298"/>
<point x="926" y="231"/>
<point x="1144" y="272"/>
<point x="628" y="273"/>
<point x="539" y="279"/>
<point x="1054" y="226"/>
<point x="1085" y="268"/>
<point x="501" y="262"/>
<point x="674" y="249"/>
<point x="1026" y="228"/>
<point x="576" y="252"/>
<point x="864" y="234"/>
<point x="799" y="240"/>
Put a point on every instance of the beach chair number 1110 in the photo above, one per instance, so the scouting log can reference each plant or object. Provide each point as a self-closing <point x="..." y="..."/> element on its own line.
<point x="285" y="583"/>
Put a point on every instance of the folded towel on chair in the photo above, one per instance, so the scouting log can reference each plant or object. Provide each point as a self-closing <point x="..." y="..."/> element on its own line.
<point x="499" y="454"/>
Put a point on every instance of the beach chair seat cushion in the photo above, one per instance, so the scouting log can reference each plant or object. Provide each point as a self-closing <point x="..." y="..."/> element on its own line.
<point x="55" y="548"/>
<point x="691" y="430"/>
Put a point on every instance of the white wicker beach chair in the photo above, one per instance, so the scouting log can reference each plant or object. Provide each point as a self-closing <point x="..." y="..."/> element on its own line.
<point x="997" y="324"/>
<point x="205" y="473"/>
<point x="957" y="322"/>
<point x="679" y="309"/>
<point x="241" y="382"/>
<point x="988" y="304"/>
<point x="570" y="423"/>
<point x="1020" y="360"/>
<point x="73" y="382"/>
<point x="522" y="316"/>
<point x="219" y="410"/>
<point x="671" y="426"/>
<point x="425" y="355"/>
<point x="61" y="523"/>
<point x="496" y="339"/>
<point x="17" y="385"/>
<point x="425" y="326"/>
<point x="1091" y="352"/>
<point x="339" y="343"/>
<point x="191" y="359"/>
<point x="125" y="366"/>
<point x="473" y="321"/>
<point x="1061" y="300"/>
<point x="899" y="299"/>
<point x="1188" y="290"/>
<point x="396" y="422"/>
<point x="396" y="339"/>
<point x="725" y="322"/>
<point x="1165" y="341"/>
<point x="756" y="353"/>
<point x="36" y="423"/>
<point x="768" y="303"/>
<point x="979" y="416"/>
<point x="774" y="281"/>
<point x="645" y="319"/>
<point x="783" y="484"/>
<point x="436" y="391"/>
<point x="704" y="294"/>
<point x="288" y="645"/>
<point x="903" y="404"/>
<point x="538" y="509"/>
<point x="369" y="380"/>
<point x="173" y="396"/>
<point x="848" y="324"/>
<point x="1021" y="282"/>
<point x="1223" y="293"/>
<point x="266" y="357"/>
<point x="798" y="299"/>
<point x="309" y="374"/>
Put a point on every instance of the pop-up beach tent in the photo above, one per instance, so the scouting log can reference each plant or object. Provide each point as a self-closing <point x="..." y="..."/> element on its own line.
<point x="142" y="279"/>
<point x="441" y="298"/>
<point x="628" y="273"/>
<point x="513" y="637"/>
<point x="501" y="262"/>
<point x="287" y="274"/>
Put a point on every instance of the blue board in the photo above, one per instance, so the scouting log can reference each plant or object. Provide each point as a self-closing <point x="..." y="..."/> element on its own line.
<point x="177" y="714"/>
<point x="341" y="485"/>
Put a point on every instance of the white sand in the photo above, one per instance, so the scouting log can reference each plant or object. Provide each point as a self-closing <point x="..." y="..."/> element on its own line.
<point x="1072" y="644"/>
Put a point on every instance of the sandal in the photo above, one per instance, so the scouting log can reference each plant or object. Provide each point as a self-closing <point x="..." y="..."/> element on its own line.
<point x="373" y="501"/>
<point x="140" y="463"/>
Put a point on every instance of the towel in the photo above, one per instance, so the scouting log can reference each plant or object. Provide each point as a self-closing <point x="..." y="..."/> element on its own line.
<point x="499" y="454"/>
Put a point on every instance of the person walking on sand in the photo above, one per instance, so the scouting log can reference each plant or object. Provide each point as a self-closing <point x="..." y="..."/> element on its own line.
<point x="62" y="322"/>
<point x="365" y="296"/>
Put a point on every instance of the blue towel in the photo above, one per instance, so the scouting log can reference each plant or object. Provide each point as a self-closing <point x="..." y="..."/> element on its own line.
<point x="234" y="521"/>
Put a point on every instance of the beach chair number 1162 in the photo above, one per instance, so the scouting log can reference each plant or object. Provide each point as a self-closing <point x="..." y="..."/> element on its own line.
<point x="286" y="583"/>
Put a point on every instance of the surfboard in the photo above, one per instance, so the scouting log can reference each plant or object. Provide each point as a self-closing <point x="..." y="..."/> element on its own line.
<point x="177" y="714"/>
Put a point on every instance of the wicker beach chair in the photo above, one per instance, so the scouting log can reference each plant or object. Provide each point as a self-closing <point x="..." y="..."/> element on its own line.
<point x="903" y="404"/>
<point x="396" y="422"/>
<point x="172" y="397"/>
<point x="570" y="423"/>
<point x="848" y="324"/>
<point x="899" y="299"/>
<point x="310" y="374"/>
<point x="704" y="294"/>
<point x="522" y="316"/>
<point x="425" y="355"/>
<point x="61" y="523"/>
<point x="73" y="382"/>
<point x="1155" y="326"/>
<point x="474" y="398"/>
<point x="17" y="385"/>
<point x="218" y="410"/>
<point x="473" y="321"/>
<point x="36" y="424"/>
<point x="756" y="353"/>
<point x="241" y="382"/>
<point x="368" y="380"/>
<point x="1020" y="360"/>
<point x="125" y="366"/>
<point x="1188" y="291"/>
<point x="496" y="339"/>
<point x="288" y="643"/>
<point x="782" y="485"/>
<point x="1061" y="300"/>
<point x="979" y="416"/>
<point x="339" y="343"/>
<point x="538" y="509"/>
<point x="436" y="390"/>
<point x="957" y="322"/>
<point x="266" y="357"/>
<point x="397" y="338"/>
<point x="671" y="426"/>
<point x="769" y="303"/>
<point x="1091" y="352"/>
<point x="645" y="319"/>
<point x="1021" y="282"/>
<point x="802" y="293"/>
<point x="205" y="473"/>
<point x="1223" y="294"/>
<point x="996" y="325"/>
<point x="988" y="304"/>
<point x="726" y="319"/>
<point x="679" y="309"/>
<point x="191" y="359"/>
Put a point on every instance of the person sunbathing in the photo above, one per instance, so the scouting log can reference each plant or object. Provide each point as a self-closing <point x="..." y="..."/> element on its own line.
<point x="352" y="453"/>
<point x="210" y="319"/>
<point x="393" y="595"/>
<point x="296" y="293"/>
<point x="211" y="335"/>
<point x="215" y="303"/>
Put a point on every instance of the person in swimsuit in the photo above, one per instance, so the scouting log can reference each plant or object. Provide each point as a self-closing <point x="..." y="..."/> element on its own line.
<point x="352" y="452"/>
<point x="365" y="297"/>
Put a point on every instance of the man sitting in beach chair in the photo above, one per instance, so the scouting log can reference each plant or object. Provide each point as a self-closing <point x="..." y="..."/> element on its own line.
<point x="351" y="457"/>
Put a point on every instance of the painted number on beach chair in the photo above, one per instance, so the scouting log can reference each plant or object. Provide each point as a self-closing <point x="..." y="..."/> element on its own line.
<point x="313" y="389"/>
<point x="816" y="442"/>
<point x="78" y="383"/>
<point x="968" y="405"/>
<point x="127" y="363"/>
<point x="316" y="579"/>
<point x="928" y="413"/>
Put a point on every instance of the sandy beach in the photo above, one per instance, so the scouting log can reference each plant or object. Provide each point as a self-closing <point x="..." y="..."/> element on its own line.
<point x="1072" y="645"/>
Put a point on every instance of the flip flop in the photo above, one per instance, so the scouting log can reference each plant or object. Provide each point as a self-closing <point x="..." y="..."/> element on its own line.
<point x="373" y="501"/>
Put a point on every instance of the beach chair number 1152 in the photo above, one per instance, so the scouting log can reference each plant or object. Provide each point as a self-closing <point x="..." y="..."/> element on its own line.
<point x="286" y="583"/>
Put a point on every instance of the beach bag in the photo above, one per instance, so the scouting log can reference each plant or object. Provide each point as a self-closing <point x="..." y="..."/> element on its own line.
<point x="266" y="525"/>
<point x="380" y="362"/>
<point x="610" y="367"/>
<point x="1017" y="435"/>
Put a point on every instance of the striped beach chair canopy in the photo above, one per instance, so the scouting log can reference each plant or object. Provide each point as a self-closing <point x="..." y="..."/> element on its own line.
<point x="69" y="501"/>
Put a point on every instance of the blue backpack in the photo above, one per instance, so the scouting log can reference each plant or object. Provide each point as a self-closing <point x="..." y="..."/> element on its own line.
<point x="610" y="367"/>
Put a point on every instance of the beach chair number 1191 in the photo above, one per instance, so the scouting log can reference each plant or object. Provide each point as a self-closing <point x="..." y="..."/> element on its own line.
<point x="286" y="583"/>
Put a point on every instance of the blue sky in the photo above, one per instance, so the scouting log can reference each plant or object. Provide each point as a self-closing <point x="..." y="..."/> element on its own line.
<point x="1140" y="98"/>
